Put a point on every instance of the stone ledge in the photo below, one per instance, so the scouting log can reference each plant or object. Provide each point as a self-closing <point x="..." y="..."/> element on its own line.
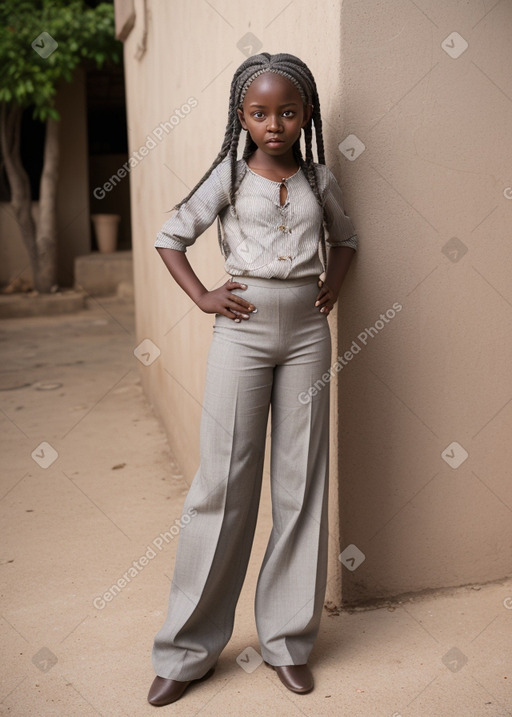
<point x="100" y="274"/>
<point x="16" y="306"/>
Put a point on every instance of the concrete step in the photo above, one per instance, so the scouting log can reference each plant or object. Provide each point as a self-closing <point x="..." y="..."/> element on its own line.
<point x="16" y="306"/>
<point x="100" y="274"/>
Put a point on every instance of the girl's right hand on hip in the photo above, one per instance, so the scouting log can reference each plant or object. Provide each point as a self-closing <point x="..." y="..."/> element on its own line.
<point x="223" y="301"/>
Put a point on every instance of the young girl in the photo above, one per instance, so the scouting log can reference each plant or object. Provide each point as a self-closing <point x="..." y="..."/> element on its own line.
<point x="271" y="342"/>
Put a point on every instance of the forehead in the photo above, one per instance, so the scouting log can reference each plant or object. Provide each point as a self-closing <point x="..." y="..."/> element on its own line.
<point x="271" y="87"/>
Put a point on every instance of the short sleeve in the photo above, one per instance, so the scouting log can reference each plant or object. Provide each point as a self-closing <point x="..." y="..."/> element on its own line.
<point x="195" y="216"/>
<point x="340" y="230"/>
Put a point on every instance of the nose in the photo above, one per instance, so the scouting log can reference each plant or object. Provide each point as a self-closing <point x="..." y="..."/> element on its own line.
<point x="274" y="124"/>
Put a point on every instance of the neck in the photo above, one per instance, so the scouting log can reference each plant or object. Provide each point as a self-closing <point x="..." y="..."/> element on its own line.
<point x="280" y="164"/>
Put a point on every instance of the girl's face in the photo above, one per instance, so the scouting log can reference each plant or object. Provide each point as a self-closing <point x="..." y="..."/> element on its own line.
<point x="273" y="114"/>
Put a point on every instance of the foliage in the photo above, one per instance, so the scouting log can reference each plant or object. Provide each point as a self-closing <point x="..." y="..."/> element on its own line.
<point x="83" y="35"/>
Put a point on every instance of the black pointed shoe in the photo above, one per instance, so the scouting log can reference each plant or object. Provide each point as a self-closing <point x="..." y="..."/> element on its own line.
<point x="297" y="678"/>
<point x="164" y="692"/>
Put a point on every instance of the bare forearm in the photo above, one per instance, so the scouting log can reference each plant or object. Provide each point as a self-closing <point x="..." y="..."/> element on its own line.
<point x="217" y="301"/>
<point x="181" y="271"/>
<point x="337" y="266"/>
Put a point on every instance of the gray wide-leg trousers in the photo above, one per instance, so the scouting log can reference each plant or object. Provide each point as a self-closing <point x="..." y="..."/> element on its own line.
<point x="269" y="360"/>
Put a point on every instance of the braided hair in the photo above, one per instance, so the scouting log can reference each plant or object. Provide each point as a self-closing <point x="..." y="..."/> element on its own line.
<point x="299" y="74"/>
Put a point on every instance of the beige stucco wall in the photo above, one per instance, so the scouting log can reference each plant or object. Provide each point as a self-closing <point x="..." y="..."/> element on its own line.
<point x="436" y="165"/>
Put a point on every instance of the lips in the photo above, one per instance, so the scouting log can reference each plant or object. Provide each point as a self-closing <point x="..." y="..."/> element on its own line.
<point x="274" y="140"/>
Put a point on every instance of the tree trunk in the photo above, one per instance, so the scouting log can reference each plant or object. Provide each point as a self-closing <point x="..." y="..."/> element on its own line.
<point x="21" y="198"/>
<point x="40" y="242"/>
<point x="46" y="238"/>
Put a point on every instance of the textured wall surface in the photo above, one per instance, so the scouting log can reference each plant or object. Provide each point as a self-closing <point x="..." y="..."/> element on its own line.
<point x="426" y="417"/>
<point x="415" y="100"/>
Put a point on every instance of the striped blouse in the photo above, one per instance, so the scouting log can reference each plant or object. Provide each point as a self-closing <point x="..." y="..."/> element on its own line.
<point x="260" y="237"/>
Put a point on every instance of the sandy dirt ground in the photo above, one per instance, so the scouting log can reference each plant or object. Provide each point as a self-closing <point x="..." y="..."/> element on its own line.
<point x="89" y="488"/>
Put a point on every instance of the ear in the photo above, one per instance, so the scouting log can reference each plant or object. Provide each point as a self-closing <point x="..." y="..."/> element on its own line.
<point x="308" y="113"/>
<point x="241" y="117"/>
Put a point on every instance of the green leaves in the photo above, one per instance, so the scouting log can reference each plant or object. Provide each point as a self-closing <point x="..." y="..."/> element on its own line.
<point x="64" y="34"/>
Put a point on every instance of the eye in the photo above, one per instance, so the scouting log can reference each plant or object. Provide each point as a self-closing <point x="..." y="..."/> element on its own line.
<point x="258" y="114"/>
<point x="289" y="113"/>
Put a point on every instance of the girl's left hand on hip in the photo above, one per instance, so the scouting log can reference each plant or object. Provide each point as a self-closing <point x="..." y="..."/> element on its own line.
<point x="325" y="298"/>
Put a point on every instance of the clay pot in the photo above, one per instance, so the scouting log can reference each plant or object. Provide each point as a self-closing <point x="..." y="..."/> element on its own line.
<point x="106" y="229"/>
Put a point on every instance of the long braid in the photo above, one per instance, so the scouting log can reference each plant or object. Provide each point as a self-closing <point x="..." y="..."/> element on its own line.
<point x="250" y="146"/>
<point x="299" y="74"/>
